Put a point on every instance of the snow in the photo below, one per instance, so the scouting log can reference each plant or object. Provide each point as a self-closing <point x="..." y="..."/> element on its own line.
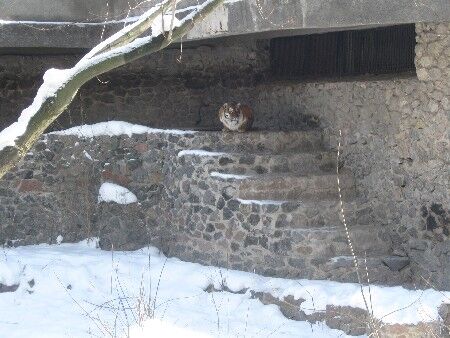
<point x="261" y="202"/>
<point x="87" y="155"/>
<point x="80" y="291"/>
<point x="67" y="23"/>
<point x="110" y="192"/>
<point x="59" y="239"/>
<point x="9" y="273"/>
<point x="53" y="80"/>
<point x="115" y="128"/>
<point x="157" y="25"/>
<point x="159" y="328"/>
<point x="125" y="30"/>
<point x="199" y="152"/>
<point x="228" y="176"/>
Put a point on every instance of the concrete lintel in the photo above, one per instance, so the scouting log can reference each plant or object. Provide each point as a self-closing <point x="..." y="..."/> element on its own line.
<point x="239" y="17"/>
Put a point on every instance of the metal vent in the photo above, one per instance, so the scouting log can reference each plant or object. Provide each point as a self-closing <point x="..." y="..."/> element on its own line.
<point x="339" y="54"/>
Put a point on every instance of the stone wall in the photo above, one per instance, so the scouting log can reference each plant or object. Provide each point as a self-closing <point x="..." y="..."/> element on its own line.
<point x="159" y="90"/>
<point x="188" y="210"/>
<point x="395" y="136"/>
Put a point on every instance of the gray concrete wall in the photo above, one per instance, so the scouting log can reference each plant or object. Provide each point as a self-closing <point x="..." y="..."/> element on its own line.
<point x="234" y="18"/>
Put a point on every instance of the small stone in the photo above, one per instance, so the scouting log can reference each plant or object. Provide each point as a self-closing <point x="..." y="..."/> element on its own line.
<point x="433" y="107"/>
<point x="396" y="263"/>
<point x="281" y="221"/>
<point x="49" y="155"/>
<point x="260" y="170"/>
<point x="437" y="209"/>
<point x="271" y="208"/>
<point x="278" y="233"/>
<point x="116" y="178"/>
<point x="283" y="246"/>
<point x="141" y="147"/>
<point x="418" y="245"/>
<point x="297" y="263"/>
<point x="193" y="199"/>
<point x="233" y="205"/>
<point x="426" y="61"/>
<point x="250" y="240"/>
<point x="39" y="146"/>
<point x="225" y="160"/>
<point x="26" y="174"/>
<point x="228" y="192"/>
<point x="227" y="213"/>
<point x="133" y="164"/>
<point x="424" y="211"/>
<point x="263" y="241"/>
<point x="431" y="223"/>
<point x="234" y="246"/>
<point x="247" y="159"/>
<point x="220" y="203"/>
<point x="29" y="185"/>
<point x="288" y="207"/>
<point x="209" y="198"/>
<point x="254" y="219"/>
<point x="422" y="74"/>
<point x="8" y="288"/>
<point x="202" y="185"/>
<point x="186" y="187"/>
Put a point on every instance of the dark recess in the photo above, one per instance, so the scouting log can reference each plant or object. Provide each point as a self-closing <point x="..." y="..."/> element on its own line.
<point x="377" y="51"/>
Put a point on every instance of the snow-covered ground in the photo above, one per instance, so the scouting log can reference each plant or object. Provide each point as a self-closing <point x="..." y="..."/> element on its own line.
<point x="77" y="290"/>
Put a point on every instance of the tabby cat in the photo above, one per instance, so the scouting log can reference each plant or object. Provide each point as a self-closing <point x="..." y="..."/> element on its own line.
<point x="236" y="117"/>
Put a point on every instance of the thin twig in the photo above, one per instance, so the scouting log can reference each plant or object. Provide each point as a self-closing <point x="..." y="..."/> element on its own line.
<point x="347" y="233"/>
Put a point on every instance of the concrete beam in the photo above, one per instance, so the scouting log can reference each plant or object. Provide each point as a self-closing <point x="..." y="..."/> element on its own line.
<point x="239" y="17"/>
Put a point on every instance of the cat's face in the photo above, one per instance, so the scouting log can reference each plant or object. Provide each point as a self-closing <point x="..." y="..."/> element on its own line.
<point x="231" y="114"/>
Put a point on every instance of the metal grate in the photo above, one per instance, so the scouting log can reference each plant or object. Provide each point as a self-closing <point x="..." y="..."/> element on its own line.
<point x="339" y="54"/>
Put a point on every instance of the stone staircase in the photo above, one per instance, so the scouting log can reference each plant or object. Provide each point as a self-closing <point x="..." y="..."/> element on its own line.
<point x="278" y="195"/>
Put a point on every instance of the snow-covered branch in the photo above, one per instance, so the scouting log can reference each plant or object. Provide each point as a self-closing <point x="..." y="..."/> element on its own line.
<point x="60" y="86"/>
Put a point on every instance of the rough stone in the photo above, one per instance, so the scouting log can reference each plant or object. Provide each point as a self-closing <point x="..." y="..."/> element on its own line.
<point x="396" y="263"/>
<point x="29" y="185"/>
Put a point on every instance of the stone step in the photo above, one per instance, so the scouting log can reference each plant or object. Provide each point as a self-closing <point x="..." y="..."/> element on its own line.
<point x="333" y="239"/>
<point x="256" y="164"/>
<point x="301" y="216"/>
<point x="285" y="187"/>
<point x="261" y="141"/>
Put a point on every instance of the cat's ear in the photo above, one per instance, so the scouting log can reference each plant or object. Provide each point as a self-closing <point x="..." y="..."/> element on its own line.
<point x="238" y="106"/>
<point x="225" y="106"/>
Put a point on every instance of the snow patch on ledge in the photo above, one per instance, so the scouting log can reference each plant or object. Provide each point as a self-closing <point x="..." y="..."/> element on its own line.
<point x="115" y="128"/>
<point x="199" y="152"/>
<point x="261" y="202"/>
<point x="110" y="192"/>
<point x="228" y="176"/>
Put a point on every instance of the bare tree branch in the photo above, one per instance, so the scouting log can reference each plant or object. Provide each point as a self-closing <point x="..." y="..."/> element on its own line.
<point x="120" y="50"/>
